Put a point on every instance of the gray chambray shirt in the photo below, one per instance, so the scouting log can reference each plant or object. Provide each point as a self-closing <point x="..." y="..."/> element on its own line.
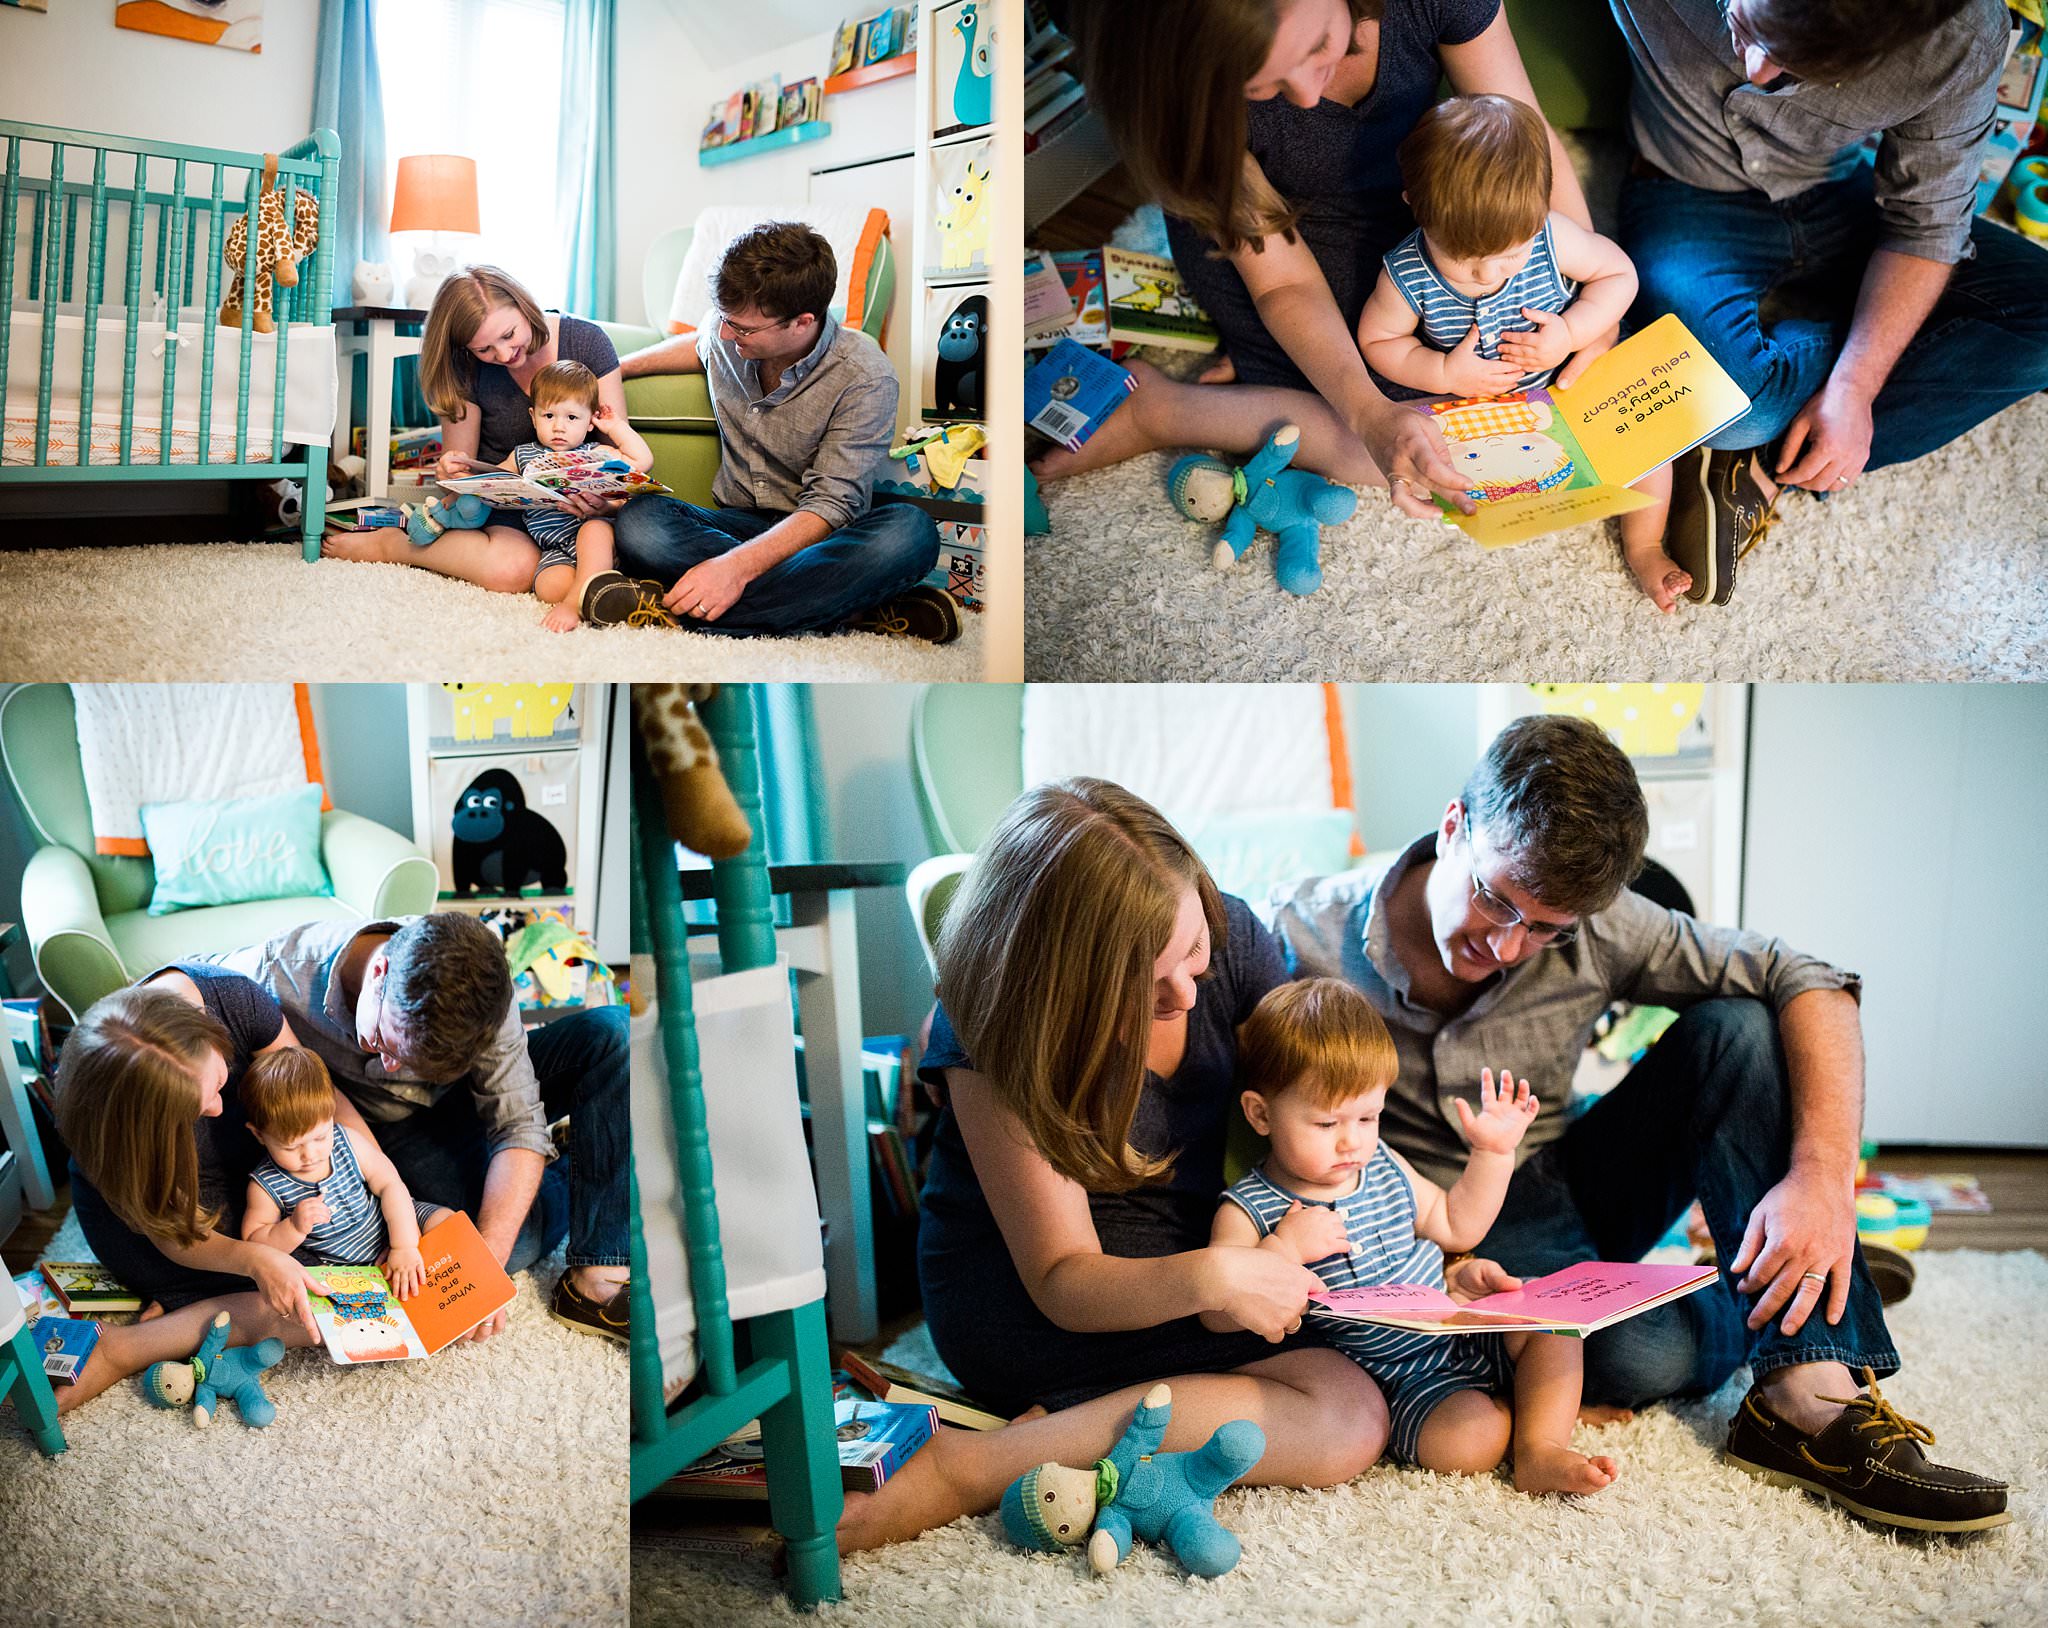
<point x="298" y="968"/>
<point x="1696" y="117"/>
<point x="813" y="442"/>
<point x="1533" y="1019"/>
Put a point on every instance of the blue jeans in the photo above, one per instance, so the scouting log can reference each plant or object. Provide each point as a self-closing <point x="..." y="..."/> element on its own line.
<point x="865" y="562"/>
<point x="1705" y="1115"/>
<point x="581" y="1063"/>
<point x="1711" y="257"/>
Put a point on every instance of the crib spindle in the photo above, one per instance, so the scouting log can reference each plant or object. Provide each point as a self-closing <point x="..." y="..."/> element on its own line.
<point x="42" y="453"/>
<point x="95" y="272"/>
<point x="252" y="197"/>
<point x="70" y="242"/>
<point x="7" y="233"/>
<point x="281" y="313"/>
<point x="35" y="246"/>
<point x="172" y="308"/>
<point x="138" y="219"/>
<point x="209" y="317"/>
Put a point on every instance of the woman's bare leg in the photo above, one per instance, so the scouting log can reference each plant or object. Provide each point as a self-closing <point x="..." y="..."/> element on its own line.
<point x="127" y="1349"/>
<point x="1325" y="1421"/>
<point x="1233" y="418"/>
<point x="500" y="558"/>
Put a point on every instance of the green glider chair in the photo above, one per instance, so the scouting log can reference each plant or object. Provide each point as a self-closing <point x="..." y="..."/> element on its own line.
<point x="673" y="410"/>
<point x="87" y="914"/>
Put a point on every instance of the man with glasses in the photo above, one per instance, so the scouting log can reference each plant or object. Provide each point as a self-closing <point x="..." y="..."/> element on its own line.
<point x="1896" y="322"/>
<point x="1497" y="941"/>
<point x="806" y="410"/>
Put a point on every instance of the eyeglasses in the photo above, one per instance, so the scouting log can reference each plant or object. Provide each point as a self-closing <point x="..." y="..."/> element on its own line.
<point x="1544" y="935"/>
<point x="728" y="325"/>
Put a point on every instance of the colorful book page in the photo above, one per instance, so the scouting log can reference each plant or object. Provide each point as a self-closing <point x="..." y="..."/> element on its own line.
<point x="1593" y="1291"/>
<point x="1653" y="396"/>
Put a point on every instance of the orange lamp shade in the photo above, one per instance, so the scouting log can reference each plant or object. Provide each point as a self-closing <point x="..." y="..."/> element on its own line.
<point x="436" y="193"/>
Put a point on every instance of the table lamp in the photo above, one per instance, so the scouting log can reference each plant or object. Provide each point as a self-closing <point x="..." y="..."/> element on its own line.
<point x="436" y="193"/>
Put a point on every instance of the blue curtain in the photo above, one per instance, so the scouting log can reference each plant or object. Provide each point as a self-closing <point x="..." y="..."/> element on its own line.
<point x="348" y="98"/>
<point x="792" y="804"/>
<point x="584" y="185"/>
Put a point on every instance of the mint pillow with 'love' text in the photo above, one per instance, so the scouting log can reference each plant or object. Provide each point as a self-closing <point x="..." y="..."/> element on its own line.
<point x="234" y="849"/>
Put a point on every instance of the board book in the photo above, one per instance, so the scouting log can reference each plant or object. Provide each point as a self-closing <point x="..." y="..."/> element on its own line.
<point x="599" y="474"/>
<point x="881" y="1381"/>
<point x="1071" y="390"/>
<point x="874" y="1441"/>
<point x="1576" y="1301"/>
<point x="1542" y="459"/>
<point x="86" y="1287"/>
<point x="65" y="1343"/>
<point x="361" y="1320"/>
<point x="1147" y="305"/>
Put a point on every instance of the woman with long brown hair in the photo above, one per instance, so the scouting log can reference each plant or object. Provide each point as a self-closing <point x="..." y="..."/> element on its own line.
<point x="1092" y="980"/>
<point x="160" y="1162"/>
<point x="1266" y="130"/>
<point x="485" y="338"/>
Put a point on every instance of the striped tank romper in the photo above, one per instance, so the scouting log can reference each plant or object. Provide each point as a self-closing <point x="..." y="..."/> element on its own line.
<point x="1445" y="316"/>
<point x="353" y="1232"/>
<point x="1414" y="1371"/>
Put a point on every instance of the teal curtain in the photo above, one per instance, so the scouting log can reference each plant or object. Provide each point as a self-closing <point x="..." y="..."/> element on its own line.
<point x="584" y="182"/>
<point x="792" y="806"/>
<point x="348" y="98"/>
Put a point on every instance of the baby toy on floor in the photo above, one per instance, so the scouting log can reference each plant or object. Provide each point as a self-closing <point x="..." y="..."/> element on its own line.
<point x="1138" y="1491"/>
<point x="214" y="1372"/>
<point x="425" y="522"/>
<point x="1292" y="503"/>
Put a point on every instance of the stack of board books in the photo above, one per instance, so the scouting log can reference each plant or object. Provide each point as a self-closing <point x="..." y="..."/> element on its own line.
<point x="886" y="1382"/>
<point x="1111" y="299"/>
<point x="874" y="1440"/>
<point x="86" y="1288"/>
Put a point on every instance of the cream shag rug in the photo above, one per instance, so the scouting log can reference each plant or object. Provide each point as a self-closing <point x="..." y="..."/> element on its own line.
<point x="483" y="1485"/>
<point x="1679" y="1537"/>
<point x="260" y="611"/>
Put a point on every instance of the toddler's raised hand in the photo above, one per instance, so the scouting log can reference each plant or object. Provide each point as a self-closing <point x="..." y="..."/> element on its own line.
<point x="1467" y="373"/>
<point x="1504" y="1113"/>
<point x="1314" y="1232"/>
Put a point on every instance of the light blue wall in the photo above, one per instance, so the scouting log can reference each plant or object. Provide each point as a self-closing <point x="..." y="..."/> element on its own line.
<point x="1412" y="745"/>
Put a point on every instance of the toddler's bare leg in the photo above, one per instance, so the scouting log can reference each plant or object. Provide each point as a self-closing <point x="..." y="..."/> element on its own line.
<point x="1465" y="1434"/>
<point x="1549" y="1375"/>
<point x="550" y="586"/>
<point x="1642" y="543"/>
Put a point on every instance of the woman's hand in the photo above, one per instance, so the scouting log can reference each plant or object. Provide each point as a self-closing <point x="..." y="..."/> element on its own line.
<point x="1409" y="450"/>
<point x="1260" y="1290"/>
<point x="404" y="1270"/>
<point x="283" y="1283"/>
<point x="1474" y="1279"/>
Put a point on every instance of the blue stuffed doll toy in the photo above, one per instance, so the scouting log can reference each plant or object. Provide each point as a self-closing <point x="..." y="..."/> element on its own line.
<point x="1138" y="1492"/>
<point x="425" y="522"/>
<point x="214" y="1372"/>
<point x="1292" y="503"/>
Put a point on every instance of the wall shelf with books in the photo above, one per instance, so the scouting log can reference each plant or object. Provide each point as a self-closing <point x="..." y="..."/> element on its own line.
<point x="872" y="74"/>
<point x="792" y="136"/>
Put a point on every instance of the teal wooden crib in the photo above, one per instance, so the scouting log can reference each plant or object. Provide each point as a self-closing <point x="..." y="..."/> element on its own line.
<point x="105" y="274"/>
<point x="775" y="1367"/>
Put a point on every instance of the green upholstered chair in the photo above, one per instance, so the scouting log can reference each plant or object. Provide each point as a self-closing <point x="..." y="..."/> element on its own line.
<point x="673" y="410"/>
<point x="967" y="748"/>
<point x="1576" y="59"/>
<point x="87" y="914"/>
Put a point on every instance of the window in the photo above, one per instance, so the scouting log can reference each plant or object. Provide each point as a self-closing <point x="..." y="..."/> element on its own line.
<point x="482" y="78"/>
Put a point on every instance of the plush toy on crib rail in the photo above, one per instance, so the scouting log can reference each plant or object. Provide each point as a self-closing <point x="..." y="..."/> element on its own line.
<point x="1138" y="1491"/>
<point x="1293" y="503"/>
<point x="703" y="814"/>
<point x="424" y="522"/>
<point x="279" y="249"/>
<point x="214" y="1372"/>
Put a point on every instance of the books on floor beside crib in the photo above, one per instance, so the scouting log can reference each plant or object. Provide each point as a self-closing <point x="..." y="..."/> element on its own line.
<point x="37" y="1298"/>
<point x="875" y="1440"/>
<point x="1576" y="1301"/>
<point x="65" y="1343"/>
<point x="1539" y="460"/>
<point x="361" y="1320"/>
<point x="1148" y="306"/>
<point x="86" y="1288"/>
<point x="592" y="472"/>
<point x="887" y="1383"/>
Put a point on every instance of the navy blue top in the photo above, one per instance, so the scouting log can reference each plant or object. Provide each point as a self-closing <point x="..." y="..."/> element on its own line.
<point x="1186" y="1116"/>
<point x="228" y="1152"/>
<point x="1335" y="166"/>
<point x="507" y="409"/>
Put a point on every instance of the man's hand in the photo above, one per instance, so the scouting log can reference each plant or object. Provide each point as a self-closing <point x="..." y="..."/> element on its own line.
<point x="1467" y="373"/>
<point x="1805" y="1224"/>
<point x="490" y="1326"/>
<point x="1549" y="345"/>
<point x="708" y="589"/>
<point x="1313" y="1232"/>
<point x="1827" y="445"/>
<point x="1475" y="1279"/>
<point x="1599" y="345"/>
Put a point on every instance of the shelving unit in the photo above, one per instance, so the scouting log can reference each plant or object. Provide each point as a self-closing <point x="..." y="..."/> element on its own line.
<point x="873" y="74"/>
<point x="794" y="135"/>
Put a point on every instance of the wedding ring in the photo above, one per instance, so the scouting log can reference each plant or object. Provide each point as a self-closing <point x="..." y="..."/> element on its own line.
<point x="1817" y="1277"/>
<point x="1841" y="480"/>
<point x="699" y="611"/>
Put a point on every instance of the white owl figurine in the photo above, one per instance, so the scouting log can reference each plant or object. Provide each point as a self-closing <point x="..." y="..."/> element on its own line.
<point x="429" y="272"/>
<point x="372" y="283"/>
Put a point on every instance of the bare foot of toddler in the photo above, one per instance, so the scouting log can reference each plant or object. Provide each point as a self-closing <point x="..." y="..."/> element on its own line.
<point x="1545" y="1467"/>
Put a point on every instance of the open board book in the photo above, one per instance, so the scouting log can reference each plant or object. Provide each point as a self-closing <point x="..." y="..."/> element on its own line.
<point x="361" y="1320"/>
<point x="1576" y="1301"/>
<point x="586" y="471"/>
<point x="1539" y="460"/>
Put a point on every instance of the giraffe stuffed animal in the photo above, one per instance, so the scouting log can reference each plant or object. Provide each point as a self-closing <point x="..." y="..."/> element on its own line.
<point x="279" y="249"/>
<point x="702" y="812"/>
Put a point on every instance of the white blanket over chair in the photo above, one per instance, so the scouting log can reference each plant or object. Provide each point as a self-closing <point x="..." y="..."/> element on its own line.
<point x="767" y="1206"/>
<point x="309" y="397"/>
